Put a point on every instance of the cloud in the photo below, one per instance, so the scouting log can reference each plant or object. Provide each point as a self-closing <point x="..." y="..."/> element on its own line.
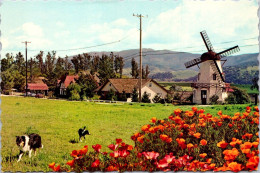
<point x="60" y="24"/>
<point x="223" y="21"/>
<point x="32" y="30"/>
<point x="61" y="34"/>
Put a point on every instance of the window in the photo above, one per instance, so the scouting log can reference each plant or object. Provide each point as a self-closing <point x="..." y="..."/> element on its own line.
<point x="110" y="84"/>
<point x="214" y="76"/>
<point x="149" y="94"/>
<point x="150" y="84"/>
<point x="199" y="76"/>
<point x="159" y="94"/>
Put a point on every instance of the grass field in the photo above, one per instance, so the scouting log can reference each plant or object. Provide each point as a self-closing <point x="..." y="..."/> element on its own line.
<point x="58" y="121"/>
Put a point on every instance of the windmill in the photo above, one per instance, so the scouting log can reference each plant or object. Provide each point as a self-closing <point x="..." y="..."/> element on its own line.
<point x="211" y="80"/>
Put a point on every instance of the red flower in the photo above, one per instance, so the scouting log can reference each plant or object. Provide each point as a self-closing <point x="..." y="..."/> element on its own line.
<point x="203" y="155"/>
<point x="252" y="163"/>
<point x="118" y="141"/>
<point x="162" y="164"/>
<point x="95" y="164"/>
<point x="113" y="147"/>
<point x="153" y="120"/>
<point x="177" y="111"/>
<point x="52" y="166"/>
<point x="197" y="135"/>
<point x="70" y="163"/>
<point x="150" y="155"/>
<point x="194" y="109"/>
<point x="96" y="147"/>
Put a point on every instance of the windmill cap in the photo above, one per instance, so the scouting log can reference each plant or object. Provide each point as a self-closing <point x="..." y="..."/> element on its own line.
<point x="210" y="55"/>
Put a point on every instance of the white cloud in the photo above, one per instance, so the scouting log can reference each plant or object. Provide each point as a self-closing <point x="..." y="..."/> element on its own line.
<point x="223" y="21"/>
<point x="61" y="34"/>
<point x="60" y="24"/>
<point x="32" y="30"/>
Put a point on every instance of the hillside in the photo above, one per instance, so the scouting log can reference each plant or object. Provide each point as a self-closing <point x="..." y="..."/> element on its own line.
<point x="166" y="65"/>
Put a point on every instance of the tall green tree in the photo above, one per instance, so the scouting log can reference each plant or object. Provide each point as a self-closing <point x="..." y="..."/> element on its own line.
<point x="105" y="70"/>
<point x="40" y="62"/>
<point x="134" y="70"/>
<point x="121" y="66"/>
<point x="20" y="63"/>
<point x="134" y="95"/>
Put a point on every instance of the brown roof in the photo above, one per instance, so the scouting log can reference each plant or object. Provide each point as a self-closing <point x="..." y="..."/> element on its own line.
<point x="37" y="86"/>
<point x="128" y="85"/>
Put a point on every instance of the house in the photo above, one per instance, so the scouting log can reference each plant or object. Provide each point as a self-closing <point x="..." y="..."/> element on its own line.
<point x="38" y="88"/>
<point x="65" y="81"/>
<point x="150" y="86"/>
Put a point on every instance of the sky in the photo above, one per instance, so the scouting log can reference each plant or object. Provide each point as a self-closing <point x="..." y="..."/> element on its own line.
<point x="72" y="27"/>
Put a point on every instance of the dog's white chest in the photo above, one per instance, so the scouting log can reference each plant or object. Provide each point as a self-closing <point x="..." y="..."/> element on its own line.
<point x="26" y="146"/>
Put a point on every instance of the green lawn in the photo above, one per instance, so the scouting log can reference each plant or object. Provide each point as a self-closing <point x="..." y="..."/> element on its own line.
<point x="58" y="121"/>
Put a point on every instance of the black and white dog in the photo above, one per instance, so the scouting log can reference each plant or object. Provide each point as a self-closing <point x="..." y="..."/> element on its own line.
<point x="27" y="143"/>
<point x="83" y="132"/>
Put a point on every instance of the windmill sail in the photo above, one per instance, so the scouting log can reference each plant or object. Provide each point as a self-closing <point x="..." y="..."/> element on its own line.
<point x="192" y="62"/>
<point x="228" y="52"/>
<point x="206" y="40"/>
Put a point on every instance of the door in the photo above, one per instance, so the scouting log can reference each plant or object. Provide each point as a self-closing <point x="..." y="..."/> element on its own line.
<point x="204" y="97"/>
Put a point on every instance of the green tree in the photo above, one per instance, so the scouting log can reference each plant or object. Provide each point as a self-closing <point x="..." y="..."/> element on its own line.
<point x="20" y="63"/>
<point x="134" y="70"/>
<point x="134" y="95"/>
<point x="145" y="98"/>
<point x="111" y="95"/>
<point x="123" y="96"/>
<point x="88" y="84"/>
<point x="105" y="70"/>
<point x="238" y="96"/>
<point x="19" y="81"/>
<point x="73" y="91"/>
<point x="7" y="82"/>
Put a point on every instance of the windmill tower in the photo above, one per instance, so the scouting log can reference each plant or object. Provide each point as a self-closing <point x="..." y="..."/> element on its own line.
<point x="211" y="79"/>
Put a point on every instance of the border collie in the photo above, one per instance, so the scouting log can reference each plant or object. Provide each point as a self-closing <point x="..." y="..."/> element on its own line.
<point x="27" y="143"/>
<point x="83" y="132"/>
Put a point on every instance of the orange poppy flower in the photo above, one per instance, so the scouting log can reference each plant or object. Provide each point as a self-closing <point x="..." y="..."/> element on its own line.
<point x="190" y="145"/>
<point x="235" y="167"/>
<point x="203" y="155"/>
<point x="203" y="142"/>
<point x="163" y="137"/>
<point x="197" y="135"/>
<point x="255" y="144"/>
<point x="177" y="111"/>
<point x="219" y="113"/>
<point x="70" y="163"/>
<point x="222" y="144"/>
<point x="153" y="120"/>
<point x="194" y="109"/>
<point x="252" y="163"/>
<point x="189" y="113"/>
<point x="230" y="154"/>
<point x="140" y="139"/>
<point x="145" y="127"/>
<point x="256" y="108"/>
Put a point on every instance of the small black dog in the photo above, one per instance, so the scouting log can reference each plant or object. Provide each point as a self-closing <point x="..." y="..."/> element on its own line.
<point x="28" y="143"/>
<point x="83" y="132"/>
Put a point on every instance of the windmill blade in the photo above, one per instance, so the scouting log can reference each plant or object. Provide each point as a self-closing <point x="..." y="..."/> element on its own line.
<point x="219" y="70"/>
<point x="192" y="62"/>
<point x="206" y="40"/>
<point x="228" y="52"/>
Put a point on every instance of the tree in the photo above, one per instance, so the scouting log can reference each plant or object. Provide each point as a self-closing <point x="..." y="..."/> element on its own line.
<point x="73" y="91"/>
<point x="7" y="82"/>
<point x="87" y="61"/>
<point x="50" y="62"/>
<point x="111" y="95"/>
<point x="134" y="95"/>
<point x="19" y="81"/>
<point x="117" y="64"/>
<point x="214" y="99"/>
<point x="121" y="66"/>
<point x="134" y="70"/>
<point x="255" y="83"/>
<point x="19" y="63"/>
<point x="67" y="64"/>
<point x="238" y="96"/>
<point x="123" y="96"/>
<point x="59" y="67"/>
<point x="7" y="62"/>
<point x="145" y="98"/>
<point x="75" y="62"/>
<point x="88" y="84"/>
<point x="40" y="63"/>
<point x="105" y="69"/>
<point x="95" y="64"/>
<point x="147" y="72"/>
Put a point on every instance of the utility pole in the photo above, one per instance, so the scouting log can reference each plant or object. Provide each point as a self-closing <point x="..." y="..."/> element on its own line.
<point x="26" y="85"/>
<point x="140" y="68"/>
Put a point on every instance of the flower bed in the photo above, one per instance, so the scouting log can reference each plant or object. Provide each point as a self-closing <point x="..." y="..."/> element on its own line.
<point x="186" y="141"/>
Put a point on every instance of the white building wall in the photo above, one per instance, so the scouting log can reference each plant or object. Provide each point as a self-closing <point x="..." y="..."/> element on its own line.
<point x="206" y="76"/>
<point x="152" y="89"/>
<point x="108" y="86"/>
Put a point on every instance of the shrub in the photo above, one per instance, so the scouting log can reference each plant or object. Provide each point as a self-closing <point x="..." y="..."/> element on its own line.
<point x="238" y="96"/>
<point x="134" y="95"/>
<point x="74" y="95"/>
<point x="187" y="141"/>
<point x="157" y="98"/>
<point x="214" y="99"/>
<point x="145" y="98"/>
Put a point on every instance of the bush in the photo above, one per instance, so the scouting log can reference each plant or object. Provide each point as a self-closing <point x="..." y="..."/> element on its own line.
<point x="157" y="98"/>
<point x="145" y="98"/>
<point x="74" y="95"/>
<point x="186" y="141"/>
<point x="134" y="95"/>
<point x="214" y="99"/>
<point x="239" y="96"/>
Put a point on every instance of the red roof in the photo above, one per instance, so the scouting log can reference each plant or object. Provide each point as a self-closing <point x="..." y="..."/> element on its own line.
<point x="69" y="79"/>
<point x="37" y="86"/>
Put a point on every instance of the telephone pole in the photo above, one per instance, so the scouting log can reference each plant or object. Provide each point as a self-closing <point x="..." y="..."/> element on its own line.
<point x="140" y="72"/>
<point x="26" y="85"/>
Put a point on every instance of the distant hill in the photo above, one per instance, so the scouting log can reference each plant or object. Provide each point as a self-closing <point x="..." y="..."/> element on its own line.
<point x="166" y="61"/>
